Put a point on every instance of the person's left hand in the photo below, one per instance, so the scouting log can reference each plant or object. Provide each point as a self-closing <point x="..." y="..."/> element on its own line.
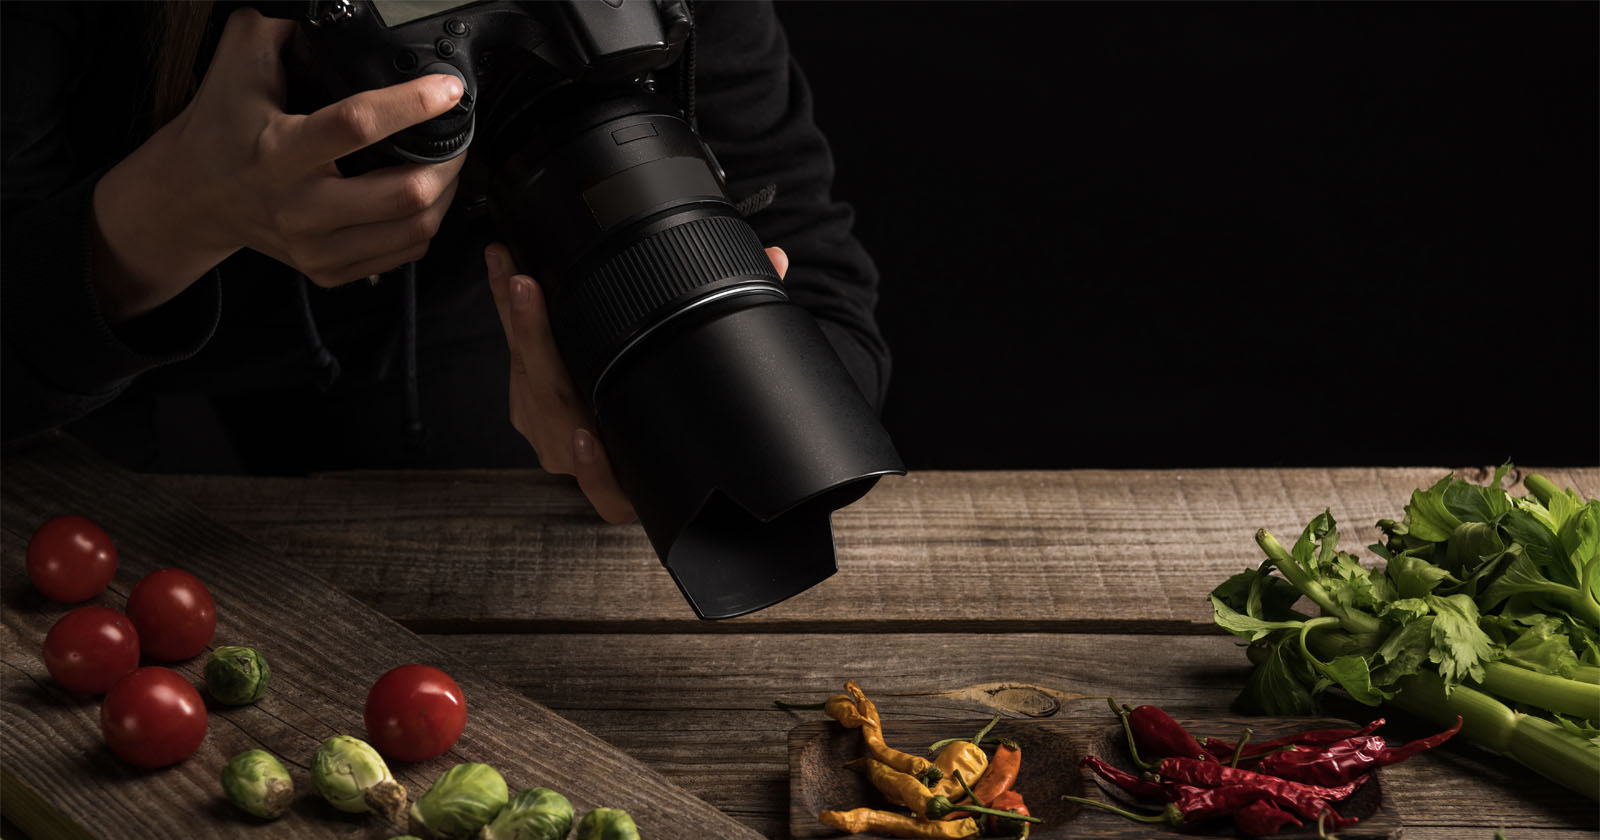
<point x="545" y="406"/>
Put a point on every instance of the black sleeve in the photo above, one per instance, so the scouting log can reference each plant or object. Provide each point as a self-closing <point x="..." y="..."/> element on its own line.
<point x="59" y="358"/>
<point x="754" y="109"/>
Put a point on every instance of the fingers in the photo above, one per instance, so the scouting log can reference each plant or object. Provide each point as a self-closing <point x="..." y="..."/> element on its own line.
<point x="780" y="260"/>
<point x="252" y="36"/>
<point x="363" y="119"/>
<point x="545" y="406"/>
<point x="392" y="192"/>
<point x="596" y="479"/>
<point x="357" y="251"/>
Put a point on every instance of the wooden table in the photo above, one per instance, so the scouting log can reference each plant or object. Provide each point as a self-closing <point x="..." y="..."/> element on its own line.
<point x="959" y="594"/>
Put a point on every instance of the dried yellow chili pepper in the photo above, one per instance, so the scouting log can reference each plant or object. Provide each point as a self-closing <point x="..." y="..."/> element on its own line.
<point x="962" y="757"/>
<point x="897" y="825"/>
<point x="866" y="718"/>
<point x="901" y="789"/>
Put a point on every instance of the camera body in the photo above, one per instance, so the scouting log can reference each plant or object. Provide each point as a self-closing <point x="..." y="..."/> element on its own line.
<point x="729" y="420"/>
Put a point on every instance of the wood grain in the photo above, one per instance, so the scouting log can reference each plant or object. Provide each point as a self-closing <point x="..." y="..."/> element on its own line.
<point x="1092" y="550"/>
<point x="326" y="650"/>
<point x="699" y="707"/>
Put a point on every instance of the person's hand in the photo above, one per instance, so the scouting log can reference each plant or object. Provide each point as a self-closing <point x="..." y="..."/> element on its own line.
<point x="545" y="407"/>
<point x="234" y="171"/>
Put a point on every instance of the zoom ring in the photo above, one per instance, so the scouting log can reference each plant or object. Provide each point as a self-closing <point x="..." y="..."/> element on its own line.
<point x="607" y="307"/>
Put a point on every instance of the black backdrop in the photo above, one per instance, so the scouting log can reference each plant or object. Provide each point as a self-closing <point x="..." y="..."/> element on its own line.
<point x="1185" y="235"/>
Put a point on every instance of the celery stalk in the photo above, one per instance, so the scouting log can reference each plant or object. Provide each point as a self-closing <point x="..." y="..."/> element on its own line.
<point x="1533" y="742"/>
<point x="1546" y="691"/>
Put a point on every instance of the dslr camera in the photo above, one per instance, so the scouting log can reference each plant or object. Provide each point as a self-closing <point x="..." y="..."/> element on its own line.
<point x="729" y="420"/>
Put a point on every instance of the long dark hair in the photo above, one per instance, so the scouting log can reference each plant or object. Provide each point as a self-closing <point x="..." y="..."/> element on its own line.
<point x="178" y="29"/>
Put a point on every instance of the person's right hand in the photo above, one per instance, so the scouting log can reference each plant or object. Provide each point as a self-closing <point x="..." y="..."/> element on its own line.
<point x="233" y="170"/>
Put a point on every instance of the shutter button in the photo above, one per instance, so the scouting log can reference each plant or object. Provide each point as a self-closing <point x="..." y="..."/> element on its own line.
<point x="456" y="27"/>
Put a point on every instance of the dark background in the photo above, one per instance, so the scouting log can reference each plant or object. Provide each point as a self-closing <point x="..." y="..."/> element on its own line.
<point x="1136" y="235"/>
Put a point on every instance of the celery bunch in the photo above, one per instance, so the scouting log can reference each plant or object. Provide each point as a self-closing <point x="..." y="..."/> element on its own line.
<point x="1487" y="607"/>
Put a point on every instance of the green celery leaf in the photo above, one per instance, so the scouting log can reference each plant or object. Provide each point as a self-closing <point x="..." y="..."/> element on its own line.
<point x="1543" y="647"/>
<point x="1349" y="672"/>
<point x="1275" y="686"/>
<point x="1584" y="729"/>
<point x="1500" y="475"/>
<point x="1259" y="595"/>
<point x="1404" y="652"/>
<point x="1460" y="647"/>
<point x="1352" y="585"/>
<point x="1304" y="551"/>
<point x="1427" y="517"/>
<point x="1471" y="503"/>
<point x="1540" y="543"/>
<point x="1244" y="626"/>
<point x="1470" y="544"/>
<point x="1562" y="507"/>
<point x="1355" y="677"/>
<point x="1414" y="577"/>
<point x="1580" y="534"/>
<point x="1406" y="610"/>
<point x="1523" y="577"/>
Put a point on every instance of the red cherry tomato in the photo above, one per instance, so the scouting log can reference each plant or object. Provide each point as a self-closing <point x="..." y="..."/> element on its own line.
<point x="153" y="717"/>
<point x="70" y="559"/>
<point x="91" y="648"/>
<point x="414" y="713"/>
<point x="174" y="613"/>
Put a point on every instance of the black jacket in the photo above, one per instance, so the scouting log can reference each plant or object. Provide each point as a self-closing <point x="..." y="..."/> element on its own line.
<point x="76" y="101"/>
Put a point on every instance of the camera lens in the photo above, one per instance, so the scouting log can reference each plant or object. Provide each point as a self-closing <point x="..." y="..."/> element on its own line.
<point x="729" y="420"/>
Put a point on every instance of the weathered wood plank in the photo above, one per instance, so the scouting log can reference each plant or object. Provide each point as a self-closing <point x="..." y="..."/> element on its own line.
<point x="698" y="707"/>
<point x="521" y="550"/>
<point x="326" y="650"/>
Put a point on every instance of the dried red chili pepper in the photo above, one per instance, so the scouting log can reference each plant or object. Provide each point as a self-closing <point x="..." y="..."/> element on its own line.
<point x="1143" y="789"/>
<point x="1223" y="750"/>
<point x="1261" y="818"/>
<point x="1348" y="759"/>
<point x="1191" y="804"/>
<point x="1154" y="735"/>
<point x="1212" y="774"/>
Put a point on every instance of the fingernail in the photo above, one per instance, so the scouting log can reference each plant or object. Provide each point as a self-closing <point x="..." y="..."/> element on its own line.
<point x="583" y="446"/>
<point x="521" y="293"/>
<point x="452" y="87"/>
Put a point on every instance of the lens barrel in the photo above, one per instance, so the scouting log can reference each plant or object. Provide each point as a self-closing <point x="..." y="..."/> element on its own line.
<point x="730" y="422"/>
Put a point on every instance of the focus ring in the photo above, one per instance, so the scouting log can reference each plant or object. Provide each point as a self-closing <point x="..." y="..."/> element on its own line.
<point x="599" y="313"/>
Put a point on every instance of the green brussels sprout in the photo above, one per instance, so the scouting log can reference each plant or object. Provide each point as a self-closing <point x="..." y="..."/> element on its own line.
<point x="460" y="803"/>
<point x="607" y="824"/>
<point x="534" y="814"/>
<point x="351" y="775"/>
<point x="237" y="675"/>
<point x="258" y="784"/>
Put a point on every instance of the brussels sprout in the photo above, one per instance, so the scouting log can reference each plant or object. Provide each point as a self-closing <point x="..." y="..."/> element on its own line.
<point x="351" y="775"/>
<point x="237" y="675"/>
<point x="534" y="814"/>
<point x="607" y="824"/>
<point x="258" y="784"/>
<point x="460" y="803"/>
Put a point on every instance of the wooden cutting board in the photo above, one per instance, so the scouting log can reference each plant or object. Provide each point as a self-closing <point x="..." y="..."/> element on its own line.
<point x="1050" y="753"/>
<point x="59" y="780"/>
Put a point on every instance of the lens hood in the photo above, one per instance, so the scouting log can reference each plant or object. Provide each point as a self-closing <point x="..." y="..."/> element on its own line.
<point x="736" y="433"/>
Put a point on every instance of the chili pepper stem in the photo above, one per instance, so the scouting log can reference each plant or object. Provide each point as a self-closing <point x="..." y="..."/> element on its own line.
<point x="967" y="788"/>
<point x="784" y="704"/>
<point x="1127" y="729"/>
<point x="1162" y="817"/>
<point x="993" y="812"/>
<point x="1239" y="750"/>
